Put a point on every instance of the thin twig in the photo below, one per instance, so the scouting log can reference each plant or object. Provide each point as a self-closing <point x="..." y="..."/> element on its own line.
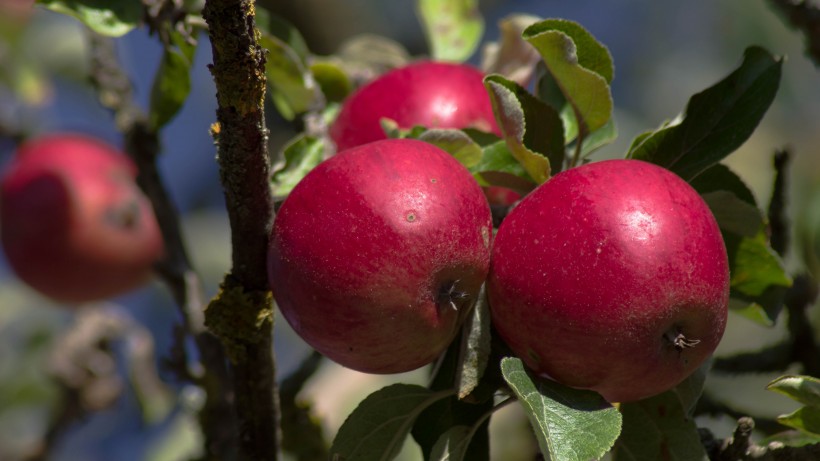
<point x="142" y="144"/>
<point x="740" y="447"/>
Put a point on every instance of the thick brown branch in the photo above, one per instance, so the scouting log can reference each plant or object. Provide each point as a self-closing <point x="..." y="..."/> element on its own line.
<point x="242" y="314"/>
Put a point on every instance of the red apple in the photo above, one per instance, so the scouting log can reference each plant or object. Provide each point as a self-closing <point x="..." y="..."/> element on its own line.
<point x="378" y="254"/>
<point x="428" y="93"/>
<point x="612" y="276"/>
<point x="73" y="223"/>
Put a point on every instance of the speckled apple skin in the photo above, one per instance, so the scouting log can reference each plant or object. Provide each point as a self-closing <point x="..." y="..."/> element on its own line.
<point x="73" y="223"/>
<point x="362" y="248"/>
<point x="428" y="93"/>
<point x="591" y="270"/>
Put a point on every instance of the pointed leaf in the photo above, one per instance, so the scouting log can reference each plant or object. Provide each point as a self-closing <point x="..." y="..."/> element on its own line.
<point x="301" y="155"/>
<point x="733" y="214"/>
<point x="579" y="66"/>
<point x="498" y="167"/>
<point x="376" y="429"/>
<point x="452" y="446"/>
<point x="717" y="120"/>
<point x="453" y="27"/>
<point x="475" y="347"/>
<point x="599" y="138"/>
<point x="803" y="389"/>
<point x="754" y="265"/>
<point x="532" y="129"/>
<point x="172" y="83"/>
<point x="806" y="419"/>
<point x="570" y="424"/>
<point x="659" y="428"/>
<point x="113" y="18"/>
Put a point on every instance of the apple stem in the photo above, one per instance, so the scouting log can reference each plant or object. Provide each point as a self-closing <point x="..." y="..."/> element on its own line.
<point x="448" y="295"/>
<point x="679" y="340"/>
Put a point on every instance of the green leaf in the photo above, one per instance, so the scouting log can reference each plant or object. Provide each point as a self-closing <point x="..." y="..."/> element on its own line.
<point x="659" y="428"/>
<point x="332" y="79"/>
<point x="570" y="424"/>
<point x="804" y="418"/>
<point x="456" y="142"/>
<point x="452" y="445"/>
<point x="376" y="429"/>
<point x="717" y="120"/>
<point x="475" y="347"/>
<point x="300" y="155"/>
<point x="532" y="129"/>
<point x="754" y="265"/>
<point x="733" y="214"/>
<point x="599" y="138"/>
<point x="579" y="66"/>
<point x="292" y="87"/>
<point x="275" y="26"/>
<point x="803" y="389"/>
<point x="498" y="158"/>
<point x="172" y="83"/>
<point x="113" y="18"/>
<point x="759" y="280"/>
<point x="453" y="27"/>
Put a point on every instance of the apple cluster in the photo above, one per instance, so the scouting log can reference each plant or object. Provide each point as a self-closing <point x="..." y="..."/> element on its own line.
<point x="73" y="223"/>
<point x="612" y="276"/>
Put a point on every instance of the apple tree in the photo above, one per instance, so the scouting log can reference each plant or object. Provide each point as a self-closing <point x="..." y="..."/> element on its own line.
<point x="466" y="221"/>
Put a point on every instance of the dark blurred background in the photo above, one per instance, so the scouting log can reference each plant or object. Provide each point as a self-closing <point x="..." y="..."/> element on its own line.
<point x="663" y="52"/>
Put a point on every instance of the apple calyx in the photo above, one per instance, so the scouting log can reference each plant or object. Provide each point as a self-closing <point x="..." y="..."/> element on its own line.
<point x="449" y="296"/>
<point x="679" y="341"/>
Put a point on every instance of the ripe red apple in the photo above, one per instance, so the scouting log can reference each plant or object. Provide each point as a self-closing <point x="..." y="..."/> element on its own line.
<point x="429" y="93"/>
<point x="378" y="254"/>
<point x="612" y="276"/>
<point x="73" y="223"/>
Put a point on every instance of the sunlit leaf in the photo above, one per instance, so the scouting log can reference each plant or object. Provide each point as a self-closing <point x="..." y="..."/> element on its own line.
<point x="301" y="155"/>
<point x="803" y="389"/>
<point x="113" y="18"/>
<point x="172" y="83"/>
<point x="453" y="27"/>
<point x="805" y="418"/>
<point x="570" y="424"/>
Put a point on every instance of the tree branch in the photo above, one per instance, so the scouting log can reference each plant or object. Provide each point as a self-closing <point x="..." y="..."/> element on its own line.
<point x="740" y="447"/>
<point x="242" y="313"/>
<point x="142" y="144"/>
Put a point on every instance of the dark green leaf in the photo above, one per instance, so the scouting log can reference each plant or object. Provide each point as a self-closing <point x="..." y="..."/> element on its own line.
<point x="452" y="445"/>
<point x="172" y="83"/>
<point x="532" y="129"/>
<point x="579" y="66"/>
<point x="803" y="389"/>
<point x="113" y="18"/>
<point x="717" y="120"/>
<point x="759" y="280"/>
<point x="376" y="429"/>
<point x="792" y="438"/>
<point x="456" y="142"/>
<point x="301" y="155"/>
<point x="570" y="424"/>
<point x="659" y="428"/>
<point x="453" y="27"/>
